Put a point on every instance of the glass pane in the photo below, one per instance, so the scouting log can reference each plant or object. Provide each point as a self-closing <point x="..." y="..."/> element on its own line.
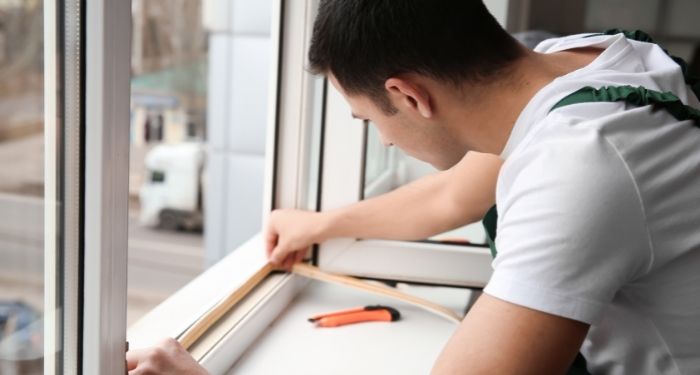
<point x="21" y="187"/>
<point x="387" y="168"/>
<point x="198" y="117"/>
<point x="168" y="108"/>
<point x="313" y="141"/>
<point x="377" y="158"/>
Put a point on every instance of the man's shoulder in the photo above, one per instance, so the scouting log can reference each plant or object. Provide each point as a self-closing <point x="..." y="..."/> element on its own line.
<point x="573" y="165"/>
<point x="587" y="137"/>
<point x="564" y="140"/>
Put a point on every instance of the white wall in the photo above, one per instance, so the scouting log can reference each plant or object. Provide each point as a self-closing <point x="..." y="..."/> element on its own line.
<point x="239" y="53"/>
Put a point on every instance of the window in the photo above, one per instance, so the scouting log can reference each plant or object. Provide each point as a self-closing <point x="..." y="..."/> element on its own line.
<point x="387" y="168"/>
<point x="169" y="64"/>
<point x="198" y="104"/>
<point x="23" y="189"/>
<point x="40" y="204"/>
<point x="301" y="130"/>
<point x="295" y="116"/>
<point x="311" y="155"/>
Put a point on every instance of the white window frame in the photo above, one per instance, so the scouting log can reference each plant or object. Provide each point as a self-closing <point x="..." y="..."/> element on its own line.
<point x="86" y="171"/>
<point x="106" y="97"/>
<point x="51" y="333"/>
<point x="53" y="313"/>
<point x="65" y="210"/>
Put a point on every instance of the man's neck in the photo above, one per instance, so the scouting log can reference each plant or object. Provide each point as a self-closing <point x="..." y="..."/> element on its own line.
<point x="490" y="115"/>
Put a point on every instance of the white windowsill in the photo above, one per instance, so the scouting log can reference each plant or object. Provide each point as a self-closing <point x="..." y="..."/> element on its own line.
<point x="292" y="345"/>
<point x="176" y="313"/>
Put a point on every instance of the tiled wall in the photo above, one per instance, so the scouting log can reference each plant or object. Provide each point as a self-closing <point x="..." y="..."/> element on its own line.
<point x="239" y="54"/>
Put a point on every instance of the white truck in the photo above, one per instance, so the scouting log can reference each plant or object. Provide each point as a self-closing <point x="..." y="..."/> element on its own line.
<point x="171" y="195"/>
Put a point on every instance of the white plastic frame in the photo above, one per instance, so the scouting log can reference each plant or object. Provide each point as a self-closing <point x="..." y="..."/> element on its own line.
<point x="52" y="127"/>
<point x="107" y="64"/>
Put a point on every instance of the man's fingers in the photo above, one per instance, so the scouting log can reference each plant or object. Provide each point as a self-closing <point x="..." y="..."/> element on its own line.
<point x="167" y="357"/>
<point x="280" y="253"/>
<point x="271" y="239"/>
<point x="288" y="262"/>
<point x="281" y="256"/>
<point x="134" y="357"/>
<point x="277" y="255"/>
<point x="299" y="256"/>
<point x="292" y="258"/>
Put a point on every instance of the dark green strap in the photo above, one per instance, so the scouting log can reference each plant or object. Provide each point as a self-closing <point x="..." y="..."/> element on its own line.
<point x="637" y="96"/>
<point x="579" y="367"/>
<point x="490" y="223"/>
<point x="637" y="35"/>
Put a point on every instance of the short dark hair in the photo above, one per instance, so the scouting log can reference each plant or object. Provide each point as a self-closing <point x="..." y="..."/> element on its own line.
<point x="365" y="42"/>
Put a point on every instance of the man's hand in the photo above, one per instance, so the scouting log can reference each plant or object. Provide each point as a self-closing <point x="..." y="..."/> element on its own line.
<point x="289" y="233"/>
<point x="168" y="357"/>
<point x="425" y="207"/>
<point x="498" y="337"/>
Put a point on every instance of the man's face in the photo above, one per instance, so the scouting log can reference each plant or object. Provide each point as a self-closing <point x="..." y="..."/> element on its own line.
<point x="421" y="138"/>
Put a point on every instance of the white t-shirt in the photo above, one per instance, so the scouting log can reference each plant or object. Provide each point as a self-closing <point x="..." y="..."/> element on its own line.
<point x="599" y="213"/>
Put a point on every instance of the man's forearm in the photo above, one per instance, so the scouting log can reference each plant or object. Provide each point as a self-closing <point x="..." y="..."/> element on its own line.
<point x="425" y="207"/>
<point x="498" y="337"/>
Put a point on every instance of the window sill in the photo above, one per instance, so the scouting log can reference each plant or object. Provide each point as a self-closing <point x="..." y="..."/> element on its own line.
<point x="180" y="310"/>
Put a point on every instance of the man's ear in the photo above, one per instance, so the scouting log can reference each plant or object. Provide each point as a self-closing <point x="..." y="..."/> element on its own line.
<point x="410" y="94"/>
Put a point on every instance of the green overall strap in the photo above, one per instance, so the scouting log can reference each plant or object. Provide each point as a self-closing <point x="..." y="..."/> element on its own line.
<point x="637" y="96"/>
<point x="490" y="223"/>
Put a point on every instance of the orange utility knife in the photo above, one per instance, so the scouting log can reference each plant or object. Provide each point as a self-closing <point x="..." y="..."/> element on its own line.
<point x="374" y="313"/>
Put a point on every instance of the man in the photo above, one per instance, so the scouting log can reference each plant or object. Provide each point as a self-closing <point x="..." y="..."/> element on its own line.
<point x="589" y="149"/>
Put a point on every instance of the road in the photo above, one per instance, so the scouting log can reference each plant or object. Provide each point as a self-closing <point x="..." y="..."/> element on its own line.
<point x="160" y="262"/>
<point x="22" y="165"/>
